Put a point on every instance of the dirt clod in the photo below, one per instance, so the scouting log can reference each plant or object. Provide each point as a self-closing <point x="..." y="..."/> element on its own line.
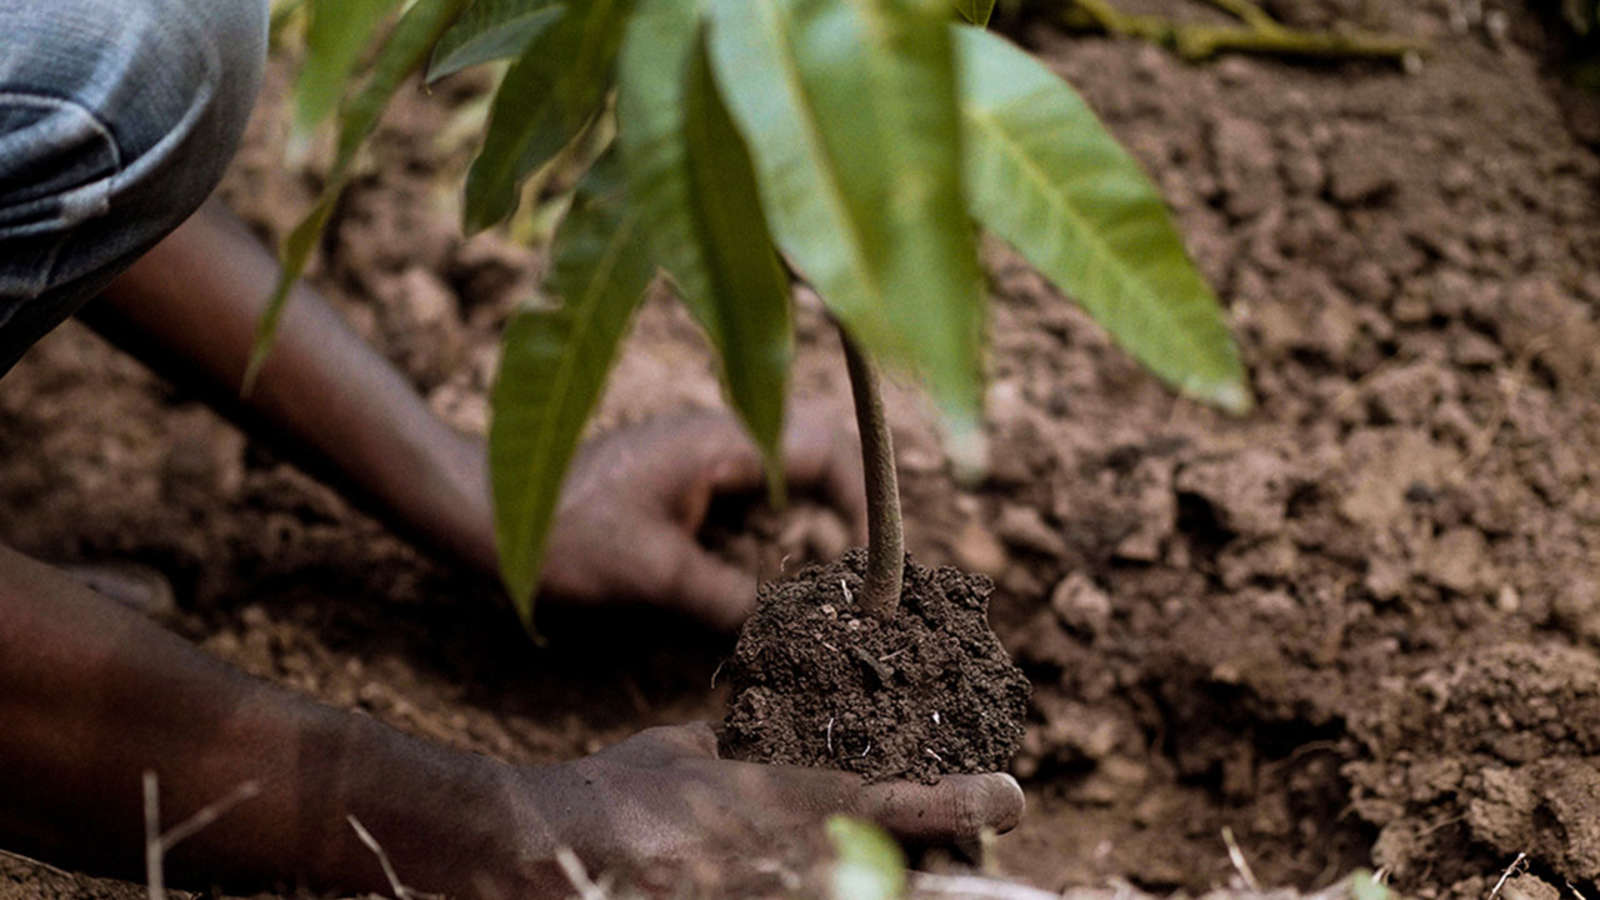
<point x="818" y="682"/>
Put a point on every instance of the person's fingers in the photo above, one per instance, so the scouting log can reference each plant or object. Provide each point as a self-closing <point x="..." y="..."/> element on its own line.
<point x="665" y="566"/>
<point x="693" y="740"/>
<point x="820" y="452"/>
<point x="817" y="445"/>
<point x="958" y="808"/>
<point x="846" y="490"/>
<point x="710" y="590"/>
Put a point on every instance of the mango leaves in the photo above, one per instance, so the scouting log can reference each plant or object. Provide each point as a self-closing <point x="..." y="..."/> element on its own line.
<point x="550" y="94"/>
<point x="335" y="38"/>
<point x="861" y="138"/>
<point x="976" y="12"/>
<point x="403" y="53"/>
<point x="491" y="30"/>
<point x="690" y="176"/>
<point x="850" y="112"/>
<point x="553" y="367"/>
<point x="1046" y="176"/>
<point x="867" y="863"/>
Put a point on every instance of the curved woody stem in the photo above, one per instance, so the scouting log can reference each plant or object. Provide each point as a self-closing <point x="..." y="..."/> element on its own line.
<point x="886" y="555"/>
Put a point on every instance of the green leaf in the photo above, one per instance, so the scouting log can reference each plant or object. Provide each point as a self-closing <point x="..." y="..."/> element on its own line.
<point x="850" y="112"/>
<point x="553" y="366"/>
<point x="281" y="14"/>
<point x="1365" y="886"/>
<point x="1047" y="177"/>
<point x="339" y="31"/>
<point x="546" y="98"/>
<point x="868" y="864"/>
<point x="975" y="11"/>
<point x="402" y="54"/>
<point x="490" y="30"/>
<point x="690" y="173"/>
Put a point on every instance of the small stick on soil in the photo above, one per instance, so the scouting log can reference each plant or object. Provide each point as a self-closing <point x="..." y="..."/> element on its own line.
<point x="927" y="884"/>
<point x="830" y="735"/>
<point x="401" y="892"/>
<point x="886" y="549"/>
<point x="1506" y="875"/>
<point x="846" y="588"/>
<point x="577" y="875"/>
<point x="715" y="672"/>
<point x="869" y="750"/>
<point x="1239" y="862"/>
<point x="929" y="751"/>
<point x="155" y="877"/>
<point x="1261" y="34"/>
<point x="157" y="842"/>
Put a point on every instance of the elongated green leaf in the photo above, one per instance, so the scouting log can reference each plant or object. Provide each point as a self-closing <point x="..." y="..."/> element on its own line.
<point x="280" y="15"/>
<point x="867" y="863"/>
<point x="975" y="11"/>
<point x="690" y="174"/>
<point x="491" y="30"/>
<point x="1046" y="176"/>
<point x="850" y="112"/>
<point x="552" y="369"/>
<point x="546" y="98"/>
<point x="401" y="55"/>
<point x="339" y="31"/>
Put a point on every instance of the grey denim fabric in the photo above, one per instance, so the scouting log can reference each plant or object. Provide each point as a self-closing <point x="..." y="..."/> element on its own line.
<point x="117" y="119"/>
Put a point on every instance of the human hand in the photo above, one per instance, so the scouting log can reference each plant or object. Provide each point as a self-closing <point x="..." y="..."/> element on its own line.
<point x="663" y="796"/>
<point x="625" y="529"/>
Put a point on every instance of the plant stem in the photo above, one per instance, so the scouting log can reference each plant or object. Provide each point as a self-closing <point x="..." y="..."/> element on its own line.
<point x="1196" y="42"/>
<point x="1249" y="13"/>
<point x="886" y="553"/>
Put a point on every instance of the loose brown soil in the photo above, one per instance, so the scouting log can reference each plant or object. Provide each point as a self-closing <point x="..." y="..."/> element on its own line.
<point x="1359" y="627"/>
<point x="816" y="681"/>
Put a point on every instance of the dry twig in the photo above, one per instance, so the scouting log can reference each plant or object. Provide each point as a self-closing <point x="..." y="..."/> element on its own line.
<point x="1242" y="865"/>
<point x="577" y="875"/>
<point x="401" y="892"/>
<point x="158" y="842"/>
<point x="1506" y="875"/>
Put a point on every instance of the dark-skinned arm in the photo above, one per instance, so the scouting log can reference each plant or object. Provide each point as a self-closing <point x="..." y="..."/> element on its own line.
<point x="92" y="695"/>
<point x="189" y="309"/>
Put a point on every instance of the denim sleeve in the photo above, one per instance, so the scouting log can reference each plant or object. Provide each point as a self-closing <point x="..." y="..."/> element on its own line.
<point x="117" y="119"/>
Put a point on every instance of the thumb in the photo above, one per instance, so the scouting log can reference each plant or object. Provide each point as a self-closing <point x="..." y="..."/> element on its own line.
<point x="958" y="808"/>
<point x="708" y="589"/>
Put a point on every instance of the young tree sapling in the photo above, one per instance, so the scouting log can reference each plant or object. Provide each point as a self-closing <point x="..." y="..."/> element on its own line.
<point x="862" y="141"/>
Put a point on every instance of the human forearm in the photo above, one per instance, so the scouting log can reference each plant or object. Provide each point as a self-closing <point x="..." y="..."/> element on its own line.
<point x="189" y="309"/>
<point x="91" y="696"/>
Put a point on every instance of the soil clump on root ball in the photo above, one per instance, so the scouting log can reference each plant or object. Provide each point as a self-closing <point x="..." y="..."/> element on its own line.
<point x="819" y="682"/>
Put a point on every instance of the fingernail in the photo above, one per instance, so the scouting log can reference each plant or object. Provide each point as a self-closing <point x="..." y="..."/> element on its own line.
<point x="1003" y="802"/>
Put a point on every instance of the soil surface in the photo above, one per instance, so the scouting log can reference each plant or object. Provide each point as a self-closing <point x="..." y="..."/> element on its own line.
<point x="816" y="681"/>
<point x="1360" y="627"/>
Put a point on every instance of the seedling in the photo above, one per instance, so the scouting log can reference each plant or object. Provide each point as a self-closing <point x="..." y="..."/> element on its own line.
<point x="858" y="141"/>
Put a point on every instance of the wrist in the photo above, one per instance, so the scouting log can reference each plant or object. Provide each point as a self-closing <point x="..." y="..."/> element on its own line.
<point x="449" y="821"/>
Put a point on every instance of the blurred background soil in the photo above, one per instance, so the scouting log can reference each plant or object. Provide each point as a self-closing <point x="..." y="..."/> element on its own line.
<point x="1360" y="627"/>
